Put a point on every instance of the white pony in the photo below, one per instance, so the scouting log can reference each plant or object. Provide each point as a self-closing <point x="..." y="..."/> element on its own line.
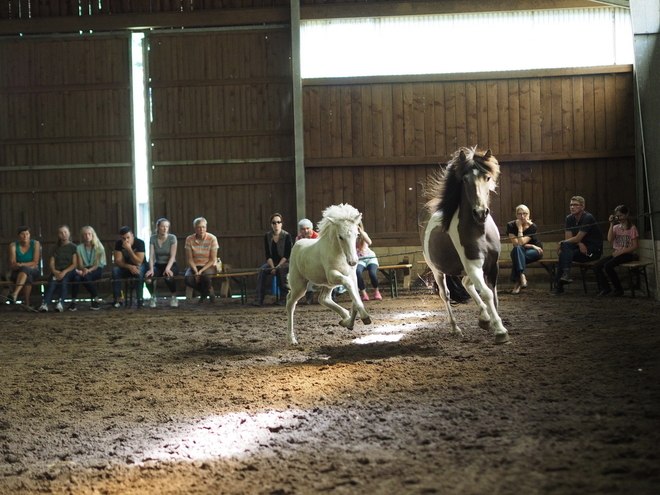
<point x="328" y="261"/>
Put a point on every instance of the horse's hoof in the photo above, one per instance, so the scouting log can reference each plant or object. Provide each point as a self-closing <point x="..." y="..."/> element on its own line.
<point x="502" y="338"/>
<point x="347" y="324"/>
<point x="366" y="321"/>
<point x="484" y="324"/>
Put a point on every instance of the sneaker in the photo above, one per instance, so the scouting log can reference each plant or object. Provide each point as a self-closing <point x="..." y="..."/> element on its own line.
<point x="365" y="296"/>
<point x="152" y="302"/>
<point x="95" y="305"/>
<point x="118" y="303"/>
<point x="257" y="303"/>
<point x="73" y="306"/>
<point x="341" y="289"/>
<point x="566" y="278"/>
<point x="558" y="291"/>
<point x="174" y="302"/>
<point x="377" y="295"/>
<point x="12" y="298"/>
<point x="603" y="293"/>
<point x="59" y="308"/>
<point x="43" y="308"/>
<point x="616" y="293"/>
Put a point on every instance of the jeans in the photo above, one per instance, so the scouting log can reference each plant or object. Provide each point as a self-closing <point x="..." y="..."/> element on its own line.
<point x="159" y="268"/>
<point x="118" y="274"/>
<point x="262" y="280"/>
<point x="570" y="252"/>
<point x="608" y="263"/>
<point x="520" y="256"/>
<point x="372" y="269"/>
<point x="62" y="285"/>
<point x="88" y="281"/>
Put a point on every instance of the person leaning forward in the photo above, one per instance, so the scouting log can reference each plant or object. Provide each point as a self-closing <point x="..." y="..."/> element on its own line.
<point x="583" y="242"/>
<point x="129" y="254"/>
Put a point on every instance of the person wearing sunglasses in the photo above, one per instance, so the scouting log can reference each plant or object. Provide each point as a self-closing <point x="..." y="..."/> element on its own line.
<point x="583" y="242"/>
<point x="277" y="247"/>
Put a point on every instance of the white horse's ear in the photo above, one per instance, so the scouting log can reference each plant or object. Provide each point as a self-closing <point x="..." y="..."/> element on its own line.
<point x="488" y="154"/>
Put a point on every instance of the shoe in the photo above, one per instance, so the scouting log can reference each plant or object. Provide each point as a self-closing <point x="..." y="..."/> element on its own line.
<point x="95" y="305"/>
<point x="256" y="303"/>
<point x="12" y="298"/>
<point x="566" y="278"/>
<point x="152" y="302"/>
<point x="43" y="308"/>
<point x="309" y="298"/>
<point x="616" y="293"/>
<point x="140" y="304"/>
<point x="174" y="302"/>
<point x="558" y="291"/>
<point x="515" y="292"/>
<point x="341" y="289"/>
<point x="365" y="296"/>
<point x="377" y="295"/>
<point x="118" y="303"/>
<point x="73" y="306"/>
<point x="59" y="308"/>
<point x="604" y="292"/>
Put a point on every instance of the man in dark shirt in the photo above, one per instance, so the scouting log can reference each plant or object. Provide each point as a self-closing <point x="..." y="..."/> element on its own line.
<point x="129" y="254"/>
<point x="583" y="242"/>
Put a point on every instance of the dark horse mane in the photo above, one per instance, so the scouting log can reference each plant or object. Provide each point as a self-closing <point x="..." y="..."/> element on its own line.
<point x="445" y="188"/>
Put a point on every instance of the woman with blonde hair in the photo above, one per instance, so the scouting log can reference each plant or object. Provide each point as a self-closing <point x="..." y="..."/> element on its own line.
<point x="526" y="246"/>
<point x="91" y="261"/>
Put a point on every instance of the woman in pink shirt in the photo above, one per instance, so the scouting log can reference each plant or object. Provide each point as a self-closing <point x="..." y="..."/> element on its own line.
<point x="623" y="235"/>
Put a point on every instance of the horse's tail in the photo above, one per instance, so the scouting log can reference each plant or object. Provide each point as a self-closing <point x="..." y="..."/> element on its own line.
<point x="457" y="292"/>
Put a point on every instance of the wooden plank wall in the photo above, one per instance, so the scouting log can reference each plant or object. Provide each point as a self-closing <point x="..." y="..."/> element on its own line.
<point x="65" y="137"/>
<point x="372" y="143"/>
<point x="222" y="136"/>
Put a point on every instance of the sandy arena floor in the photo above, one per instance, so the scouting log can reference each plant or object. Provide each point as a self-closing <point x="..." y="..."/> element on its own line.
<point x="212" y="400"/>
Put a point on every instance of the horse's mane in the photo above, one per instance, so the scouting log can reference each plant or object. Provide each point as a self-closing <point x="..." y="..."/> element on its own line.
<point x="443" y="190"/>
<point x="338" y="213"/>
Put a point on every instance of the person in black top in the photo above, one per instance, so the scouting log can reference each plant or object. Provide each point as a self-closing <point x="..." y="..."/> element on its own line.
<point x="583" y="242"/>
<point x="526" y="246"/>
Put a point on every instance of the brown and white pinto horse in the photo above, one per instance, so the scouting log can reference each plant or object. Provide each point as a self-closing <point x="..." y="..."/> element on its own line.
<point x="459" y="236"/>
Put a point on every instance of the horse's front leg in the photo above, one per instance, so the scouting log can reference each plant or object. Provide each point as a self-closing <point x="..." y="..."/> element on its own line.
<point x="357" y="307"/>
<point x="325" y="299"/>
<point x="486" y="300"/>
<point x="445" y="296"/>
<point x="297" y="291"/>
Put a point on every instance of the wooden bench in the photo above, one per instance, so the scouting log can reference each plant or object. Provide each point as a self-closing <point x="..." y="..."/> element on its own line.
<point x="635" y="269"/>
<point x="548" y="264"/>
<point x="390" y="272"/>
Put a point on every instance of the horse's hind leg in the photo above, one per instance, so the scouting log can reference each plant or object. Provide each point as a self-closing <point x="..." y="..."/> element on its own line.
<point x="325" y="299"/>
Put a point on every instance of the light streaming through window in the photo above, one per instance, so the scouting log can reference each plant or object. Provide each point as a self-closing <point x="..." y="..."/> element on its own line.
<point x="442" y="44"/>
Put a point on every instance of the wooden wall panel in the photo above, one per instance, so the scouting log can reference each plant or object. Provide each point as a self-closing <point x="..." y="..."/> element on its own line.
<point x="65" y="139"/>
<point x="222" y="135"/>
<point x="556" y="136"/>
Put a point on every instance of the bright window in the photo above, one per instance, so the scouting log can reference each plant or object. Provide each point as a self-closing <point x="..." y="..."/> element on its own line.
<point x="466" y="43"/>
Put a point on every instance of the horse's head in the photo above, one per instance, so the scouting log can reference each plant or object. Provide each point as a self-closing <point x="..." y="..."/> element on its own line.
<point x="341" y="223"/>
<point x="479" y="176"/>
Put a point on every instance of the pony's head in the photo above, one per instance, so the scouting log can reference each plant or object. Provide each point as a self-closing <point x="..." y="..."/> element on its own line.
<point x="340" y="223"/>
<point x="470" y="172"/>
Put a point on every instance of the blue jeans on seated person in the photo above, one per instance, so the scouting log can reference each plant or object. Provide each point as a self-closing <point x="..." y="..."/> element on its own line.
<point x="88" y="281"/>
<point x="570" y="252"/>
<point x="62" y="285"/>
<point x="520" y="256"/>
<point x="118" y="274"/>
